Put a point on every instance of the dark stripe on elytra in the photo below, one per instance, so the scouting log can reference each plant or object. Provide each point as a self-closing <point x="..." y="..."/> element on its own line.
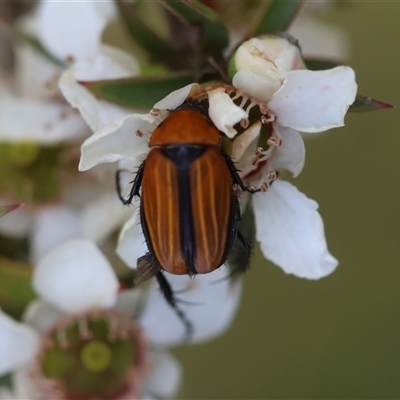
<point x="183" y="156"/>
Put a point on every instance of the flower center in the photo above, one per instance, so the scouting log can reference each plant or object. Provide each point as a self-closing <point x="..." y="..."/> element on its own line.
<point x="98" y="355"/>
<point x="31" y="173"/>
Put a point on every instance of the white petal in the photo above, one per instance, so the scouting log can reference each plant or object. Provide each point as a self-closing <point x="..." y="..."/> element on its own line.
<point x="33" y="72"/>
<point x="314" y="101"/>
<point x="24" y="386"/>
<point x="103" y="216"/>
<point x="245" y="165"/>
<point x="75" y="277"/>
<point x="128" y="301"/>
<point x="268" y="55"/>
<point x="41" y="315"/>
<point x="52" y="226"/>
<point x="165" y="375"/>
<point x="177" y="97"/>
<point x="35" y="76"/>
<point x="16" y="224"/>
<point x="291" y="232"/>
<point x="71" y="28"/>
<point x="318" y="39"/>
<point x="43" y="121"/>
<point x="243" y="141"/>
<point x="116" y="141"/>
<point x="131" y="242"/>
<point x="224" y="112"/>
<point x="290" y="156"/>
<point x="5" y="393"/>
<point x="262" y="87"/>
<point x="211" y="316"/>
<point x="108" y="63"/>
<point x="18" y="344"/>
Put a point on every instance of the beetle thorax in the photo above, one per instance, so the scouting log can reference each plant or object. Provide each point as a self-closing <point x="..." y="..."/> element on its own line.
<point x="185" y="126"/>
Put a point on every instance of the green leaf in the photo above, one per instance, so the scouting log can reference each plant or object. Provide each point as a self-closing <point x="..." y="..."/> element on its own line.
<point x="31" y="40"/>
<point x="365" y="103"/>
<point x="38" y="46"/>
<point x="143" y="34"/>
<point x="318" y="65"/>
<point x="275" y="17"/>
<point x="214" y="35"/>
<point x="138" y="92"/>
<point x="15" y="284"/>
<point x="10" y="207"/>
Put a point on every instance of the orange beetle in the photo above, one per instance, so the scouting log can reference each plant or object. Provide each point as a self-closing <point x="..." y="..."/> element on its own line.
<point x="189" y="210"/>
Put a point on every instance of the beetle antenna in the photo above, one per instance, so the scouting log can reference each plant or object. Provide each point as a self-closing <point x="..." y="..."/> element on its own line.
<point x="169" y="297"/>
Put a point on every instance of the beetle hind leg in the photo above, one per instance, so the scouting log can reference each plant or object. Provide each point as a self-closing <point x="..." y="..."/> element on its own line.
<point x="244" y="258"/>
<point x="172" y="301"/>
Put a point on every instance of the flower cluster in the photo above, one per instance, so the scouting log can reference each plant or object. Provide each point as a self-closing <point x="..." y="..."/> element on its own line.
<point x="269" y="75"/>
<point x="87" y="330"/>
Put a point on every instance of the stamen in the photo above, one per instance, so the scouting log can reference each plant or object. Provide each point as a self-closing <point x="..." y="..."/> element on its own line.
<point x="154" y="112"/>
<point x="272" y="175"/>
<point x="259" y="151"/>
<point x="243" y="102"/>
<point x="139" y="133"/>
<point x="250" y="106"/>
<point x="237" y="190"/>
<point x="266" y="120"/>
<point x="263" y="108"/>
<point x="236" y="96"/>
<point x="255" y="161"/>
<point x="274" y="141"/>
<point x="264" y="187"/>
<point x="84" y="328"/>
<point x="244" y="123"/>
<point x="62" y="338"/>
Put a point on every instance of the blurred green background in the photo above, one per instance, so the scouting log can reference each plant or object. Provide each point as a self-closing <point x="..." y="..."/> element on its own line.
<point x="337" y="337"/>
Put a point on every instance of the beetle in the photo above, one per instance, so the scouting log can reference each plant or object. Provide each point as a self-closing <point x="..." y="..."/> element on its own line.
<point x="189" y="210"/>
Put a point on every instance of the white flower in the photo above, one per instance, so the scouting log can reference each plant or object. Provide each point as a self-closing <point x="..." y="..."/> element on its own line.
<point x="77" y="286"/>
<point x="49" y="119"/>
<point x="34" y="94"/>
<point x="89" y="211"/>
<point x="289" y="228"/>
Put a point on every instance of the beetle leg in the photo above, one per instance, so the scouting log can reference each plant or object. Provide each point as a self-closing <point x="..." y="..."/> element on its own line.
<point x="242" y="258"/>
<point x="235" y="176"/>
<point x="170" y="298"/>
<point x="147" y="268"/>
<point x="137" y="182"/>
<point x="244" y="265"/>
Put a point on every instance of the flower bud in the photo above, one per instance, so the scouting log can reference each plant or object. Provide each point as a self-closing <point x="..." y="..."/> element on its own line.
<point x="268" y="55"/>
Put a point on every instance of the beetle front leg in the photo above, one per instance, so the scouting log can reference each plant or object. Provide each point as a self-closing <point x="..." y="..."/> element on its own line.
<point x="137" y="182"/>
<point x="235" y="176"/>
